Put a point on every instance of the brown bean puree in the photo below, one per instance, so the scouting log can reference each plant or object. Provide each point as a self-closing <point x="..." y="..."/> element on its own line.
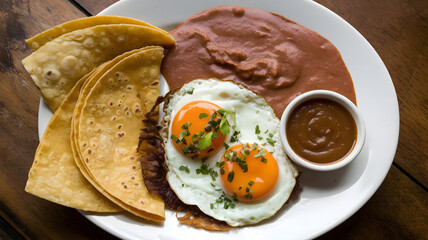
<point x="321" y="131"/>
<point x="267" y="53"/>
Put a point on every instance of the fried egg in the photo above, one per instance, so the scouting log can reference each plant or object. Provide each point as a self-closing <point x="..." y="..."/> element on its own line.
<point x="223" y="152"/>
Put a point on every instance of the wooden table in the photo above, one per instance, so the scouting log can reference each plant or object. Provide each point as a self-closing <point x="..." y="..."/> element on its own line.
<point x="397" y="29"/>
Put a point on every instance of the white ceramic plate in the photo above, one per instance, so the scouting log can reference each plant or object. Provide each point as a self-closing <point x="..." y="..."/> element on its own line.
<point x="327" y="199"/>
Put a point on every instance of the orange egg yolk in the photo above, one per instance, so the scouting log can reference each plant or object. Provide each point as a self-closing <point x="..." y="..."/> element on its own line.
<point x="248" y="172"/>
<point x="191" y="124"/>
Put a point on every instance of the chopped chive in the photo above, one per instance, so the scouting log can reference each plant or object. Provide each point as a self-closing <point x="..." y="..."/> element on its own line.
<point x="260" y="153"/>
<point x="189" y="90"/>
<point x="230" y="176"/>
<point x="235" y="197"/>
<point x="175" y="139"/>
<point x="203" y="115"/>
<point x="234" y="137"/>
<point x="257" y="129"/>
<point x="184" y="168"/>
<point x="226" y="146"/>
<point x="270" y="141"/>
<point x="255" y="146"/>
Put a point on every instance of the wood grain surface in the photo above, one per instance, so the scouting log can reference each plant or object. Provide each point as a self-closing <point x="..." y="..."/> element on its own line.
<point x="398" y="31"/>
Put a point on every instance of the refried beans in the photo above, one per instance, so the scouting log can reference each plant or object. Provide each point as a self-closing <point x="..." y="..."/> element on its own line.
<point x="265" y="52"/>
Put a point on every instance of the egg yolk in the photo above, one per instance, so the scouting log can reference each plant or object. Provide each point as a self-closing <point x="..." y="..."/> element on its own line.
<point x="195" y="131"/>
<point x="248" y="172"/>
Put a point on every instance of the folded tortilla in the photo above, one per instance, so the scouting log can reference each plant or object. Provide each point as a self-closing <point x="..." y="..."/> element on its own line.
<point x="57" y="65"/>
<point x="106" y="125"/>
<point x="42" y="38"/>
<point x="54" y="175"/>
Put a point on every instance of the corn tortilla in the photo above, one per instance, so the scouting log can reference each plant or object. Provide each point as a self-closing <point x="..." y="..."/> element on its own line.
<point x="54" y="175"/>
<point x="56" y="66"/>
<point x="42" y="38"/>
<point x="109" y="122"/>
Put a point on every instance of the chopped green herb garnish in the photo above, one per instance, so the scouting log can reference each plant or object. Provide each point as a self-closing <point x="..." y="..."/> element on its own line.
<point x="223" y="199"/>
<point x="257" y="129"/>
<point x="195" y="138"/>
<point x="228" y="204"/>
<point x="224" y="126"/>
<point x="190" y="90"/>
<point x="260" y="138"/>
<point x="248" y="196"/>
<point x="205" y="142"/>
<point x="264" y="160"/>
<point x="255" y="145"/>
<point x="175" y="139"/>
<point x="204" y="170"/>
<point x="230" y="176"/>
<point x="220" y="164"/>
<point x="217" y="189"/>
<point x="270" y="141"/>
<point x="183" y="134"/>
<point x="250" y="183"/>
<point x="260" y="153"/>
<point x="184" y="168"/>
<point x="226" y="146"/>
<point x="213" y="174"/>
<point x="183" y="140"/>
<point x="235" y="197"/>
<point x="234" y="137"/>
<point x="231" y="113"/>
<point x="203" y="115"/>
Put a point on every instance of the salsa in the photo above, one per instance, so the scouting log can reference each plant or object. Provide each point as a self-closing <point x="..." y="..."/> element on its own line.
<point x="321" y="131"/>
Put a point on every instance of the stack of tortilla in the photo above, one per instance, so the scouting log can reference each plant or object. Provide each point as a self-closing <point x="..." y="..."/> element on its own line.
<point x="99" y="76"/>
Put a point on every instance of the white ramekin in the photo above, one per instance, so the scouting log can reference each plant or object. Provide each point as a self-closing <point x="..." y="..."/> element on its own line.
<point x="345" y="102"/>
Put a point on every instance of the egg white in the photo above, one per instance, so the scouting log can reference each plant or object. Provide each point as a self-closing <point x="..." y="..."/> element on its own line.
<point x="197" y="189"/>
